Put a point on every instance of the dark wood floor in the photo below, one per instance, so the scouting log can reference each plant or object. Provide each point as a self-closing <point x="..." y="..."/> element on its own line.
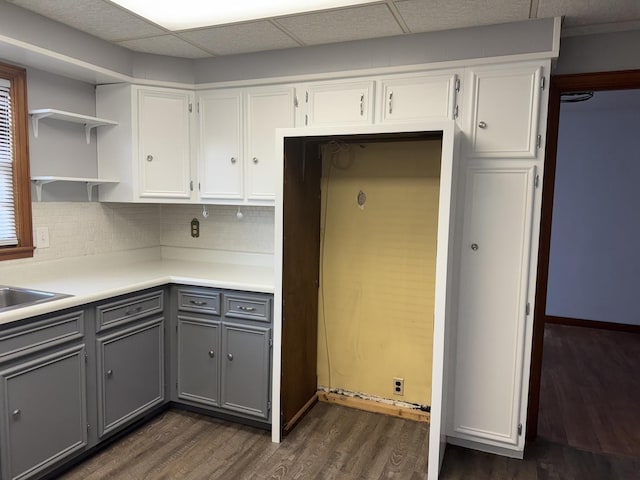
<point x="590" y="390"/>
<point x="331" y="442"/>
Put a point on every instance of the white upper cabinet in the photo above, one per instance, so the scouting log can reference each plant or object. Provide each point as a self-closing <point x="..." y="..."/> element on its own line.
<point x="237" y="142"/>
<point x="492" y="298"/>
<point x="267" y="109"/>
<point x="220" y="153"/>
<point x="337" y="103"/>
<point x="149" y="150"/>
<point x="504" y="105"/>
<point x="412" y="98"/>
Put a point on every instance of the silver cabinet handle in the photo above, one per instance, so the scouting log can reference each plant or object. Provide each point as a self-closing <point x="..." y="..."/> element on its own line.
<point x="109" y="373"/>
<point x="246" y="309"/>
<point x="197" y="303"/>
<point x="482" y="124"/>
<point x="212" y="353"/>
<point x="255" y="160"/>
<point x="362" y="104"/>
<point x="16" y="412"/>
<point x="233" y="160"/>
<point x="149" y="158"/>
<point x="230" y="356"/>
<point x="390" y="103"/>
<point x="474" y="246"/>
<point x="133" y="311"/>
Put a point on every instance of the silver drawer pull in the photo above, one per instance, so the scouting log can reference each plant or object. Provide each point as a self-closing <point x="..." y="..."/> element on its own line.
<point x="109" y="373"/>
<point x="246" y="309"/>
<point x="133" y="311"/>
<point x="233" y="160"/>
<point x="474" y="246"/>
<point x="482" y="125"/>
<point x="230" y="356"/>
<point x="197" y="303"/>
<point x="212" y="353"/>
<point x="149" y="158"/>
<point x="255" y="160"/>
<point x="16" y="412"/>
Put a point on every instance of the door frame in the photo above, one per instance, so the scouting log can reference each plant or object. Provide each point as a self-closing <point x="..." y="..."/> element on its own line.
<point x="616" y="80"/>
<point x="444" y="270"/>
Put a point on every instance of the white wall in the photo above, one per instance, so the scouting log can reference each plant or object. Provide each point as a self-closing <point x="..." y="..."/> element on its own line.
<point x="594" y="262"/>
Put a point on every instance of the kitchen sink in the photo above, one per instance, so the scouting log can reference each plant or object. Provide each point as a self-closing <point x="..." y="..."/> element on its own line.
<point x="13" y="297"/>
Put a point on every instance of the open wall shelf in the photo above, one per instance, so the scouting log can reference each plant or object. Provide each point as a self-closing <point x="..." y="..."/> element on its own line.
<point x="86" y="120"/>
<point x="90" y="183"/>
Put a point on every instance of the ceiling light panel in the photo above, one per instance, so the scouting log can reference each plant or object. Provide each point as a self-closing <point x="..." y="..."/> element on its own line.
<point x="95" y="17"/>
<point x="168" y="45"/>
<point x="187" y="14"/>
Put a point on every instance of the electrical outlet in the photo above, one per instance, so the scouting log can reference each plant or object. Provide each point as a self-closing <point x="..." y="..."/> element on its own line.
<point x="398" y="386"/>
<point x="42" y="237"/>
<point x="195" y="228"/>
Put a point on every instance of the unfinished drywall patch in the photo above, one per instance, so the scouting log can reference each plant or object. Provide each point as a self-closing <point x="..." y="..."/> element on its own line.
<point x="379" y="227"/>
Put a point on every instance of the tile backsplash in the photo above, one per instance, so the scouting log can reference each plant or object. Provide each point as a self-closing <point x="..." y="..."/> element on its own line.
<point x="88" y="228"/>
<point x="221" y="230"/>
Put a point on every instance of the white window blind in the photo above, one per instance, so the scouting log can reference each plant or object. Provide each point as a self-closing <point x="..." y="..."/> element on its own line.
<point x="7" y="204"/>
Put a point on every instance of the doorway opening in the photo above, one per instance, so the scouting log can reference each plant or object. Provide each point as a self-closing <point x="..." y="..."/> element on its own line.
<point x="582" y="371"/>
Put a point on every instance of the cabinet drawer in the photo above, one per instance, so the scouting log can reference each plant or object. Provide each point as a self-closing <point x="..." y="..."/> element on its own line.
<point x="248" y="307"/>
<point x="199" y="301"/>
<point x="113" y="314"/>
<point x="33" y="337"/>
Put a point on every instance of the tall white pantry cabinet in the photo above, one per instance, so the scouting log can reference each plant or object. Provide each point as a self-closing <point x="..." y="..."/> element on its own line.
<point x="500" y="190"/>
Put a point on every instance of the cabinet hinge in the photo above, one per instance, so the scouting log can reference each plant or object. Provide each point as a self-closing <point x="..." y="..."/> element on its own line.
<point x="268" y="406"/>
<point x="543" y="81"/>
<point x="536" y="182"/>
<point x="88" y="427"/>
<point x="190" y="107"/>
<point x="271" y="342"/>
<point x="191" y="185"/>
<point x="306" y="96"/>
<point x="295" y="101"/>
<point x="86" y="358"/>
<point x="519" y="429"/>
<point x="539" y="141"/>
<point x="455" y="112"/>
<point x="306" y="119"/>
<point x="198" y="107"/>
<point x="527" y="309"/>
<point x="457" y="85"/>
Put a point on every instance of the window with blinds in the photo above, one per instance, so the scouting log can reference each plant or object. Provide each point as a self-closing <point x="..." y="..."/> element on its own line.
<point x="7" y="205"/>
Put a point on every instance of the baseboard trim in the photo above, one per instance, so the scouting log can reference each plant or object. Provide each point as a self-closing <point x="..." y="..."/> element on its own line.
<point x="577" y="322"/>
<point x="301" y="413"/>
<point x="487" y="448"/>
<point x="375" y="407"/>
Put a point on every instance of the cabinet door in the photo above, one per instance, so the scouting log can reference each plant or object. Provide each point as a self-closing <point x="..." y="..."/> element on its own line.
<point x="220" y="169"/>
<point x="505" y="105"/>
<point x="492" y="303"/>
<point x="267" y="109"/>
<point x="164" y="136"/>
<point x="130" y="374"/>
<point x="44" y="416"/>
<point x="198" y="360"/>
<point x="415" y="98"/>
<point x="245" y="371"/>
<point x="339" y="103"/>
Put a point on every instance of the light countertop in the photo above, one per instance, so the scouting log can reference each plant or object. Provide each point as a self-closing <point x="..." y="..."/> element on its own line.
<point x="94" y="278"/>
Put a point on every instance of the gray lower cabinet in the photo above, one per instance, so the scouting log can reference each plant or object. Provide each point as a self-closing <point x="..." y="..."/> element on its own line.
<point x="130" y="366"/>
<point x="224" y="351"/>
<point x="43" y="405"/>
<point x="246" y="368"/>
<point x="199" y="360"/>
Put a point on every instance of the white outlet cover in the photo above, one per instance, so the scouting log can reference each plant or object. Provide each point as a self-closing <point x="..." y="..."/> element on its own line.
<point x="42" y="237"/>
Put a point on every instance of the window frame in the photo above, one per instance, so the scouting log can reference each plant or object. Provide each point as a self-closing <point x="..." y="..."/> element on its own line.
<point x="21" y="177"/>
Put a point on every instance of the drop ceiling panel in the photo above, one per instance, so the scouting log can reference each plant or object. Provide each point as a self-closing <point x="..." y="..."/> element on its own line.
<point x="342" y="25"/>
<point x="241" y="38"/>
<point x="581" y="12"/>
<point x="431" y="15"/>
<point x="165" y="45"/>
<point x="95" y="17"/>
